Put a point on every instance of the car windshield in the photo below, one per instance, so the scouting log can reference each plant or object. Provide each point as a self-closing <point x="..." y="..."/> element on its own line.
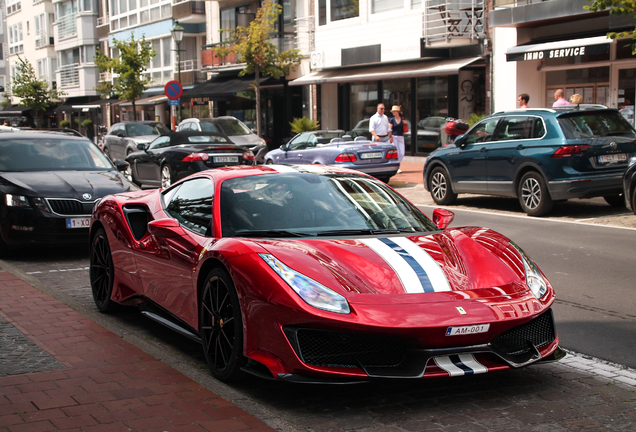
<point x="51" y="154"/>
<point x="141" y="129"/>
<point x="585" y="124"/>
<point x="231" y="127"/>
<point x="208" y="127"/>
<point x="308" y="204"/>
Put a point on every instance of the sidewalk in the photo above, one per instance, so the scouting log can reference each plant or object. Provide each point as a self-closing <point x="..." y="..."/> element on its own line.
<point x="412" y="171"/>
<point x="60" y="371"/>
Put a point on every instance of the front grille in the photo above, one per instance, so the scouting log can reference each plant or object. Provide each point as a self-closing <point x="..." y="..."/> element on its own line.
<point x="322" y="348"/>
<point x="539" y="332"/>
<point x="70" y="207"/>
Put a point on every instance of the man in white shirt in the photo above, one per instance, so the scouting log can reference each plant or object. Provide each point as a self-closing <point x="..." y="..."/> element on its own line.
<point x="379" y="126"/>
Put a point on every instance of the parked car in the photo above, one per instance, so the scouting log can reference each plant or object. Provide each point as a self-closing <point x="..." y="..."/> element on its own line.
<point x="374" y="158"/>
<point x="172" y="157"/>
<point x="427" y="138"/>
<point x="629" y="184"/>
<point x="538" y="156"/>
<point x="235" y="130"/>
<point x="314" y="273"/>
<point x="122" y="138"/>
<point x="49" y="183"/>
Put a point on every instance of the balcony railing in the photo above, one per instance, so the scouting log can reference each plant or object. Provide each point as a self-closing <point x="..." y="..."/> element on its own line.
<point x="42" y="39"/>
<point x="445" y="20"/>
<point x="184" y="8"/>
<point x="209" y="59"/>
<point x="190" y="65"/>
<point x="103" y="20"/>
<point x="105" y="76"/>
<point x="69" y="75"/>
<point x="67" y="26"/>
<point x="515" y="3"/>
<point x="305" y="35"/>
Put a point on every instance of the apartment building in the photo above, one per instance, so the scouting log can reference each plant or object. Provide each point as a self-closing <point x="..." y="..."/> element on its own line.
<point x="541" y="46"/>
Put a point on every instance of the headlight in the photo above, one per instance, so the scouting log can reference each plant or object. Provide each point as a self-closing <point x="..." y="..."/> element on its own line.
<point x="534" y="279"/>
<point x="17" y="201"/>
<point x="313" y="293"/>
<point x="41" y="204"/>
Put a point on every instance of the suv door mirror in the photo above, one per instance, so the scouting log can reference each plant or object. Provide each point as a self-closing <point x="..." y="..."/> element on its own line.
<point x="460" y="141"/>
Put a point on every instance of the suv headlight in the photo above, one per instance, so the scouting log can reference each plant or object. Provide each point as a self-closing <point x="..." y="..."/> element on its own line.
<point x="17" y="201"/>
<point x="312" y="292"/>
<point x="534" y="278"/>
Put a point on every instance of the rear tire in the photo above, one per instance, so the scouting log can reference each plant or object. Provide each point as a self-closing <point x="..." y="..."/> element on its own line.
<point x="221" y="326"/>
<point x="615" y="200"/>
<point x="166" y="176"/>
<point x="269" y="162"/>
<point x="102" y="272"/>
<point x="533" y="194"/>
<point x="439" y="183"/>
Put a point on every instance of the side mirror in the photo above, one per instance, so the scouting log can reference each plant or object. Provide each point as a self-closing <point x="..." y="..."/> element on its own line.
<point x="283" y="147"/>
<point x="460" y="141"/>
<point x="142" y="146"/>
<point x="166" y="228"/>
<point x="121" y="165"/>
<point x="120" y="134"/>
<point x="442" y="218"/>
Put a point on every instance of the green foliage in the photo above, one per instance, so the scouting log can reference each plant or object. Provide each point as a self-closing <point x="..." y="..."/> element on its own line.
<point x="617" y="8"/>
<point x="33" y="92"/>
<point x="134" y="56"/>
<point x="253" y="47"/>
<point x="65" y="124"/>
<point x="303" y="124"/>
<point x="474" y="118"/>
<point x="88" y="123"/>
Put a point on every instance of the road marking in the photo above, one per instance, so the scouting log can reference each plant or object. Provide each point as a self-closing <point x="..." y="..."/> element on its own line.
<point x="455" y="210"/>
<point x="592" y="365"/>
<point x="58" y="270"/>
<point x="601" y="217"/>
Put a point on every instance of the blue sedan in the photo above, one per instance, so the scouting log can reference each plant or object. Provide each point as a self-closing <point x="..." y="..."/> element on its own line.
<point x="374" y="158"/>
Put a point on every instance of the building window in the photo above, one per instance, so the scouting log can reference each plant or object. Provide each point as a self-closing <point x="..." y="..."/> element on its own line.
<point x="13" y="6"/>
<point x="16" y="45"/>
<point x="160" y="67"/>
<point x="337" y="10"/>
<point x="41" y="69"/>
<point x="378" y="6"/>
<point x="229" y="20"/>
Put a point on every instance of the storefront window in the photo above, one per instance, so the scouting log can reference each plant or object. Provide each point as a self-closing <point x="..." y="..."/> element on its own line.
<point x="364" y="102"/>
<point x="591" y="83"/>
<point x="398" y="92"/>
<point x="627" y="93"/>
<point x="432" y="109"/>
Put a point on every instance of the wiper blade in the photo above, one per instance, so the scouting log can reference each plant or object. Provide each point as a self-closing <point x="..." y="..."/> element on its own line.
<point x="268" y="233"/>
<point x="365" y="231"/>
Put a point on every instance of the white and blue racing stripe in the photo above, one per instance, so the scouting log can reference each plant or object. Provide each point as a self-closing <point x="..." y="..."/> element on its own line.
<point x="462" y="364"/>
<point x="309" y="168"/>
<point x="417" y="270"/>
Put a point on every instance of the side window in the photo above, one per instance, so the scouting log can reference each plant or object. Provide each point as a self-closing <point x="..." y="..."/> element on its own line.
<point x="312" y="141"/>
<point x="160" y="142"/>
<point x="513" y="128"/>
<point x="538" y="127"/>
<point x="191" y="205"/>
<point x="207" y="127"/>
<point x="115" y="129"/>
<point x="300" y="142"/>
<point x="483" y="132"/>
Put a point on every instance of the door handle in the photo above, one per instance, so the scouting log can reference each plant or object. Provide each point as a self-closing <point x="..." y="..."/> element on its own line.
<point x="483" y="149"/>
<point x="520" y="147"/>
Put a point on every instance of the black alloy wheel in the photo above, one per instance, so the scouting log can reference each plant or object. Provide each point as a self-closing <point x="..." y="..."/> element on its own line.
<point x="102" y="272"/>
<point x="220" y="326"/>
<point x="534" y="196"/>
<point x="439" y="183"/>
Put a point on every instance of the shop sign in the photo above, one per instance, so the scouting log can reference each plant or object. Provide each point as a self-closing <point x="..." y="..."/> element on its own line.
<point x="576" y="51"/>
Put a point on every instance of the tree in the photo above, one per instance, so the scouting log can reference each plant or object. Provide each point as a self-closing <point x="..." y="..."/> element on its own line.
<point x="33" y="92"/>
<point x="134" y="56"/>
<point x="616" y="7"/>
<point x="261" y="57"/>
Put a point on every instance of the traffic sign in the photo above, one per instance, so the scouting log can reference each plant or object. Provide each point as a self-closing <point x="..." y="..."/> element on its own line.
<point x="173" y="102"/>
<point x="173" y="90"/>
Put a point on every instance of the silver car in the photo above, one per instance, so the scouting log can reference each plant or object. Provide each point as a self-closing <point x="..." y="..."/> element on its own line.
<point x="122" y="138"/>
<point x="233" y="128"/>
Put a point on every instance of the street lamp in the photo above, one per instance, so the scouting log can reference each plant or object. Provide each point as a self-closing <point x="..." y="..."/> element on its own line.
<point x="177" y="36"/>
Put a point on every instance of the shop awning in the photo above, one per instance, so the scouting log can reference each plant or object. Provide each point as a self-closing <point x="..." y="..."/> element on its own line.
<point x="566" y="48"/>
<point x="221" y="87"/>
<point x="392" y="71"/>
<point x="14" y="110"/>
<point x="152" y="100"/>
<point x="93" y="105"/>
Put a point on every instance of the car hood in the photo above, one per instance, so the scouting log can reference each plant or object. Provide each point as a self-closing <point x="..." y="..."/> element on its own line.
<point x="66" y="184"/>
<point x="460" y="264"/>
<point x="143" y="138"/>
<point x="250" y="140"/>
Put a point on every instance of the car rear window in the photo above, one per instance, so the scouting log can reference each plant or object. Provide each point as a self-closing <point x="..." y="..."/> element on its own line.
<point x="51" y="154"/>
<point x="208" y="127"/>
<point x="232" y="127"/>
<point x="595" y="124"/>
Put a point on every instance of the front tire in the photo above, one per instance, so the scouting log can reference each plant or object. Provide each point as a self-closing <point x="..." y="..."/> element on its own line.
<point x="269" y="162"/>
<point x="615" y="200"/>
<point x="221" y="326"/>
<point x="166" y="177"/>
<point x="102" y="272"/>
<point x="440" y="187"/>
<point x="534" y="196"/>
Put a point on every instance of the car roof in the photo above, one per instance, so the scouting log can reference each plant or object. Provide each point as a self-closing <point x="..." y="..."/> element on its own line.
<point x="176" y="135"/>
<point x="558" y="110"/>
<point x="41" y="134"/>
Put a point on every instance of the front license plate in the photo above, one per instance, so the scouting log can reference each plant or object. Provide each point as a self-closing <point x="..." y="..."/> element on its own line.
<point x="371" y="155"/>
<point x="78" y="222"/>
<point x="226" y="159"/>
<point x="466" y="330"/>
<point x="609" y="158"/>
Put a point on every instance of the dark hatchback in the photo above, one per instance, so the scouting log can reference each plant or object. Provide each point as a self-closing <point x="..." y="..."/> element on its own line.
<point x="49" y="183"/>
<point x="629" y="184"/>
<point x="177" y="155"/>
<point x="538" y="156"/>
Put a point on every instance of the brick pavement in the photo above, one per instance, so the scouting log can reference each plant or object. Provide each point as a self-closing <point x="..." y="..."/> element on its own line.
<point x="86" y="378"/>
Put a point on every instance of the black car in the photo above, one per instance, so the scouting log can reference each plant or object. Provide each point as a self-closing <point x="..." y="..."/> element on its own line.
<point x="629" y="184"/>
<point x="177" y="155"/>
<point x="122" y="138"/>
<point x="49" y="183"/>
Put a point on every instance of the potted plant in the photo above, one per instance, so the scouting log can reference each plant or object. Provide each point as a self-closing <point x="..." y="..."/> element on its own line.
<point x="65" y="124"/>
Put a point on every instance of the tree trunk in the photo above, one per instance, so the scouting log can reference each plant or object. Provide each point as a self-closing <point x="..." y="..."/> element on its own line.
<point x="257" y="89"/>
<point x="134" y="116"/>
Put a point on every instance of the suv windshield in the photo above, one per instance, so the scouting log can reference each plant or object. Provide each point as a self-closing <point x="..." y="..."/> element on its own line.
<point x="285" y="205"/>
<point x="51" y="154"/>
<point x="590" y="124"/>
<point x="141" y="129"/>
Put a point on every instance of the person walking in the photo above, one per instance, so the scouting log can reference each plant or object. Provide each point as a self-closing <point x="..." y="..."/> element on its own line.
<point x="523" y="100"/>
<point x="559" y="100"/>
<point x="398" y="124"/>
<point x="379" y="125"/>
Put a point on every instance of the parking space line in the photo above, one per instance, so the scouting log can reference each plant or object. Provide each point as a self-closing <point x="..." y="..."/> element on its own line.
<point x="57" y="270"/>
